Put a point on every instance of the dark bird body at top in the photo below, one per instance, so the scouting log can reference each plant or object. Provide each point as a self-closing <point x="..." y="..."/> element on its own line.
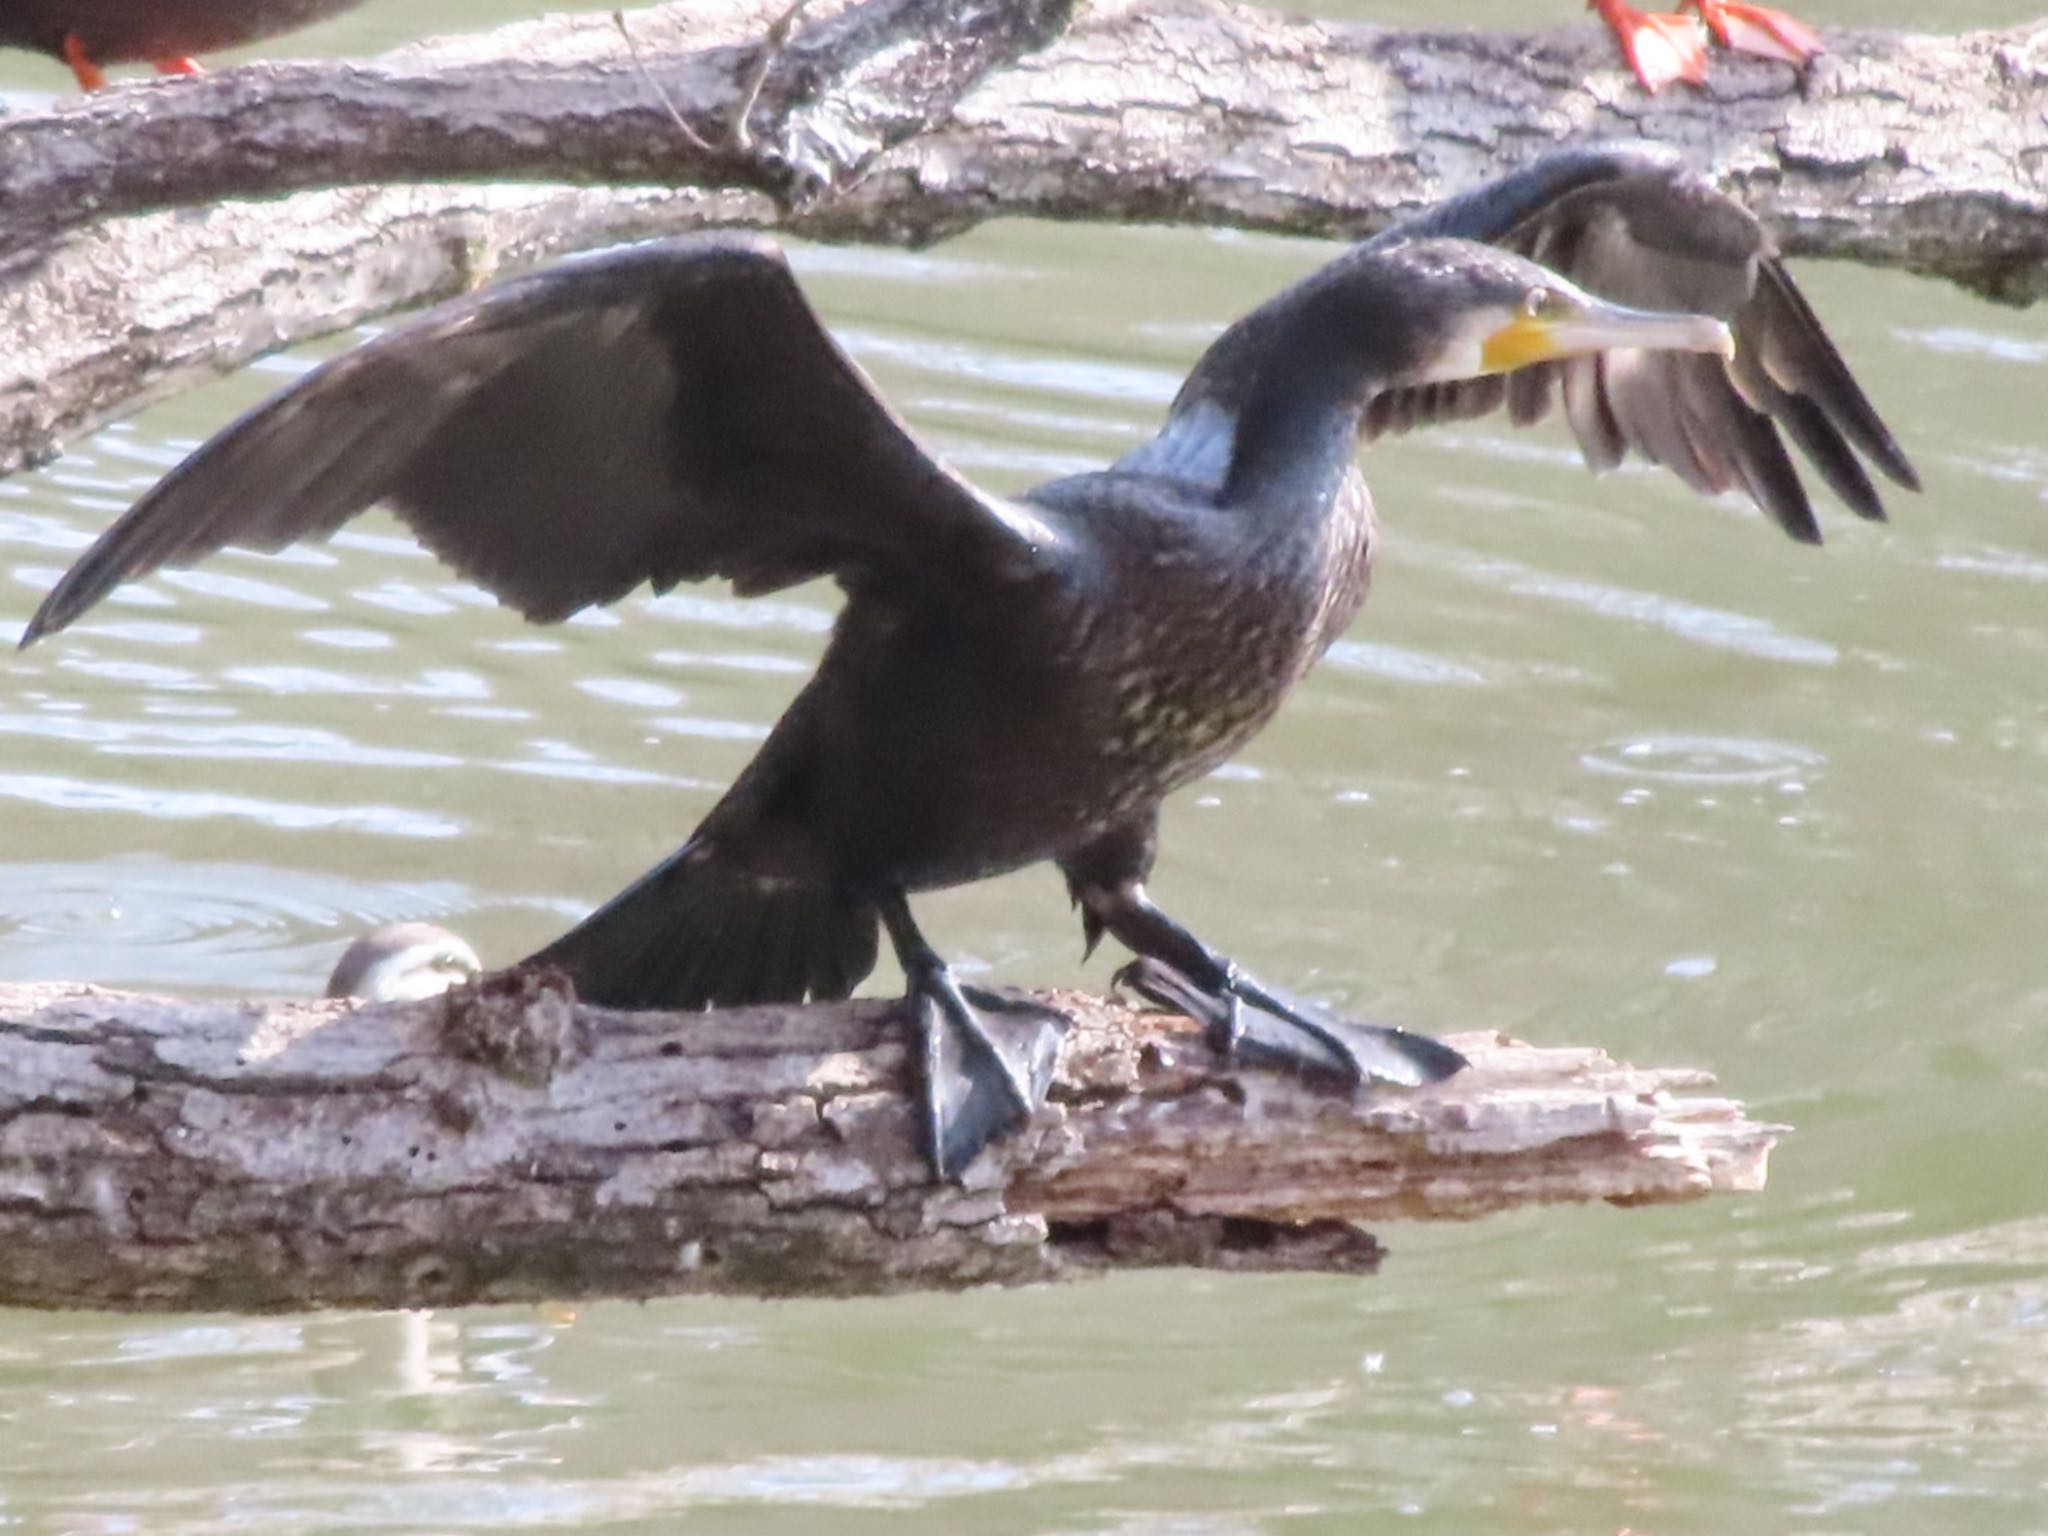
<point x="90" y="34"/>
<point x="1025" y="679"/>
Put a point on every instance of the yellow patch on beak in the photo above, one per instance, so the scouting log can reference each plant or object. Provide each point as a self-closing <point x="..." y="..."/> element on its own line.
<point x="1523" y="340"/>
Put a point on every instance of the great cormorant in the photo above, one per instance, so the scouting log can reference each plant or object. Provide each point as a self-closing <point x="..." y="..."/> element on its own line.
<point x="90" y="34"/>
<point x="1023" y="679"/>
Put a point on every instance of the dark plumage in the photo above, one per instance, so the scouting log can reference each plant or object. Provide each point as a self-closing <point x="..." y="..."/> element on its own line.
<point x="89" y="34"/>
<point x="1010" y="680"/>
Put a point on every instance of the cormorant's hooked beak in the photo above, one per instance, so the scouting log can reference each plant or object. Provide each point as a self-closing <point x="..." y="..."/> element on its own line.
<point x="1597" y="326"/>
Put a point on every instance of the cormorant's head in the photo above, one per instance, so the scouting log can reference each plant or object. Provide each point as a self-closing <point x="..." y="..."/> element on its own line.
<point x="403" y="962"/>
<point x="1475" y="310"/>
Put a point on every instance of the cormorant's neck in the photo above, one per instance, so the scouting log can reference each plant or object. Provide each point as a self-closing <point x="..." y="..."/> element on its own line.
<point x="1299" y="378"/>
<point x="1268" y="421"/>
<point x="1296" y="434"/>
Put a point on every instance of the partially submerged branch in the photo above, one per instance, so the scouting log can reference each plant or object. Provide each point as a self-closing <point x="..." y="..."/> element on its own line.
<point x="505" y="1145"/>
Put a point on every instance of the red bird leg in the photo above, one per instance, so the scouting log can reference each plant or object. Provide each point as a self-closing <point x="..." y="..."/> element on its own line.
<point x="178" y="67"/>
<point x="1660" y="46"/>
<point x="1756" y="29"/>
<point x="83" y="69"/>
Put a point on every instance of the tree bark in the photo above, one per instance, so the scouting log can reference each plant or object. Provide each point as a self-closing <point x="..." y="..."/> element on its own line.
<point x="906" y="121"/>
<point x="505" y="1144"/>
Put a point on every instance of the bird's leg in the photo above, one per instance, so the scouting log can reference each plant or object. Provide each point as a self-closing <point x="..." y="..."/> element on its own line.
<point x="185" y="66"/>
<point x="1243" y="1016"/>
<point x="1660" y="46"/>
<point x="90" y="76"/>
<point x="988" y="1057"/>
<point x="1759" y="30"/>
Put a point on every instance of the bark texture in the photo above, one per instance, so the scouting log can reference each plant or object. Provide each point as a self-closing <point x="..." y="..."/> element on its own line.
<point x="906" y="121"/>
<point x="505" y="1144"/>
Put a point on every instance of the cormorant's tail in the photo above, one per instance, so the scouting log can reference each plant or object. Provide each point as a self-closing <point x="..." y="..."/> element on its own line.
<point x="695" y="932"/>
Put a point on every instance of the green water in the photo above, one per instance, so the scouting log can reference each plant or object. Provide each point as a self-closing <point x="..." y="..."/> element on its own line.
<point x="1600" y="764"/>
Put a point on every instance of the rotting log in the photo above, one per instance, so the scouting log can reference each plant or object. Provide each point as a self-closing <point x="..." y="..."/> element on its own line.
<point x="505" y="1144"/>
<point x="903" y="122"/>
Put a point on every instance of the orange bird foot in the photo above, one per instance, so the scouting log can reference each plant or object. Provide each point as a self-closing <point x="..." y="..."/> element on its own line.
<point x="1756" y="29"/>
<point x="178" y="67"/>
<point x="1660" y="46"/>
<point x="83" y="69"/>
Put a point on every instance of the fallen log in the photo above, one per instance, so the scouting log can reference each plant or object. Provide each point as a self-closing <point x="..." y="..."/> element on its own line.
<point x="506" y="1144"/>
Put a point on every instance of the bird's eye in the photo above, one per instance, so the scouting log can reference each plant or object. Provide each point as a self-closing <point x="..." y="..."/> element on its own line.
<point x="1539" y="302"/>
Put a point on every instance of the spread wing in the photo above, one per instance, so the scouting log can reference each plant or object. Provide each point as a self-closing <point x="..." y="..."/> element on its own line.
<point x="1634" y="226"/>
<point x="660" y="413"/>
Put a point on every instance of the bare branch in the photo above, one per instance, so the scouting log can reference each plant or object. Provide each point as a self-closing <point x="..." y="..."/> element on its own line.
<point x="839" y="94"/>
<point x="129" y="312"/>
<point x="905" y="121"/>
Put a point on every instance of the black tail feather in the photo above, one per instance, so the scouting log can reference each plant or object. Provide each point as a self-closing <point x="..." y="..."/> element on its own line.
<point x="694" y="932"/>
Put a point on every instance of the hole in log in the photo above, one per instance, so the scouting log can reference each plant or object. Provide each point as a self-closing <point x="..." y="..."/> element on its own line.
<point x="1245" y="1234"/>
<point x="434" y="1277"/>
<point x="1087" y="1236"/>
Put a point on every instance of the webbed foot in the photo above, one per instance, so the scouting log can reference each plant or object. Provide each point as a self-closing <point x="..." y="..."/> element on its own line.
<point x="988" y="1061"/>
<point x="1254" y="1023"/>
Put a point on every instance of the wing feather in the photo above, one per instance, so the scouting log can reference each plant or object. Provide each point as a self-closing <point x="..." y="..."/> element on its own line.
<point x="661" y="413"/>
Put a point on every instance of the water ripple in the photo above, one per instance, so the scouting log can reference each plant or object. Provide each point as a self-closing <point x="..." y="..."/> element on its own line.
<point x="1968" y="341"/>
<point x="1401" y="664"/>
<point x="731" y="613"/>
<point x="55" y="793"/>
<point x="237" y="742"/>
<point x="1703" y="759"/>
<point x="161" y="922"/>
<point x="40" y="531"/>
<point x="1720" y="628"/>
<point x="1094" y="379"/>
<point x="242" y="589"/>
<point x="1989" y="560"/>
<point x="636" y="693"/>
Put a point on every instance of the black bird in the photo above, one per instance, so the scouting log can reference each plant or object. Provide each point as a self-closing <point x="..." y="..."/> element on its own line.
<point x="1010" y="680"/>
